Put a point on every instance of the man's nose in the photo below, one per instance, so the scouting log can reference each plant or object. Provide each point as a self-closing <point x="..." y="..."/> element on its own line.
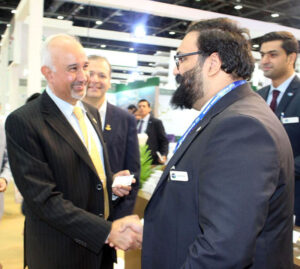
<point x="82" y="75"/>
<point x="175" y="71"/>
<point x="264" y="59"/>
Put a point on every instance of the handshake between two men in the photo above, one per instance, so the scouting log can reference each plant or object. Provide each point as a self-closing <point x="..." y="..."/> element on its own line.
<point x="126" y="233"/>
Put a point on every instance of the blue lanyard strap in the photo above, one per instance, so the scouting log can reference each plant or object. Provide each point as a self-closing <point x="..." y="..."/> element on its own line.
<point x="211" y="103"/>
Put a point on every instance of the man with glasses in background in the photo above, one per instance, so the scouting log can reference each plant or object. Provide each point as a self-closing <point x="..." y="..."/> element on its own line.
<point x="225" y="199"/>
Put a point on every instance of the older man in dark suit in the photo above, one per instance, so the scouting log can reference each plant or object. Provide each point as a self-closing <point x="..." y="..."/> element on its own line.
<point x="60" y="164"/>
<point x="225" y="199"/>
<point x="119" y="131"/>
<point x="278" y="57"/>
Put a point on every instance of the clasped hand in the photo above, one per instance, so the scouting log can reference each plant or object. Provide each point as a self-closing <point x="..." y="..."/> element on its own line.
<point x="126" y="233"/>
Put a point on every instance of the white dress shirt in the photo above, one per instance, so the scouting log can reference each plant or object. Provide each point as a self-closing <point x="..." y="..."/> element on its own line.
<point x="67" y="110"/>
<point x="145" y="123"/>
<point x="282" y="88"/>
<point x="102" y="112"/>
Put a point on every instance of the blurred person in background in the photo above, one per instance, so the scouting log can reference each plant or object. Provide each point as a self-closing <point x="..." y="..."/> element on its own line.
<point x="157" y="139"/>
<point x="279" y="52"/>
<point x="119" y="130"/>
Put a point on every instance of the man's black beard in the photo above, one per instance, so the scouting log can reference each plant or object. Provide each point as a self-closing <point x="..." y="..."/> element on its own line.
<point x="189" y="90"/>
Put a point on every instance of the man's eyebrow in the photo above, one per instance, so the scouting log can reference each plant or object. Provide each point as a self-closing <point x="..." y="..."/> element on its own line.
<point x="270" y="51"/>
<point x="72" y="65"/>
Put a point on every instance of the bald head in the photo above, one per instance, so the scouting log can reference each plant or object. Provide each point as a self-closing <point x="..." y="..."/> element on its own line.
<point x="54" y="42"/>
<point x="65" y="67"/>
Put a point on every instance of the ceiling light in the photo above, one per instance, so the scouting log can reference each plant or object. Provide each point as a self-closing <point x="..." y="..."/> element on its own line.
<point x="103" y="46"/>
<point x="140" y="31"/>
<point x="172" y="33"/>
<point x="81" y="7"/>
<point x="8" y="25"/>
<point x="98" y="22"/>
<point x="237" y="7"/>
<point x="131" y="49"/>
<point x="197" y="0"/>
<point x="13" y="11"/>
<point x="60" y="17"/>
<point x="274" y="15"/>
<point x="255" y="46"/>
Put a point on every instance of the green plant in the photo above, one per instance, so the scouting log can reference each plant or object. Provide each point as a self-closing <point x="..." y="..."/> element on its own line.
<point x="146" y="163"/>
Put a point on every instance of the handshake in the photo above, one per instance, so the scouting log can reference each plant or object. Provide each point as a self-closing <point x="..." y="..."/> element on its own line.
<point x="126" y="233"/>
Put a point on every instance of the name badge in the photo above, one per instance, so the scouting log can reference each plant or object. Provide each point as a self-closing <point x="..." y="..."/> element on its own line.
<point x="179" y="176"/>
<point x="290" y="120"/>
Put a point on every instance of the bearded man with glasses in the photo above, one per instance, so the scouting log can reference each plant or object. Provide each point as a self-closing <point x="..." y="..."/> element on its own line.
<point x="225" y="199"/>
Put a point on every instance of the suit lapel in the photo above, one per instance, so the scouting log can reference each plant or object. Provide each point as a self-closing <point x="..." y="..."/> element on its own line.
<point x="59" y="123"/>
<point x="96" y="122"/>
<point x="287" y="96"/>
<point x="109" y="119"/>
<point x="149" y="125"/>
<point x="223" y="103"/>
<point x="265" y="92"/>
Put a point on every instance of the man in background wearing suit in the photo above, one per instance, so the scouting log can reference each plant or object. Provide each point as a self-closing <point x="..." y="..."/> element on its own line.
<point x="278" y="57"/>
<point x="119" y="130"/>
<point x="157" y="139"/>
<point x="225" y="199"/>
<point x="60" y="165"/>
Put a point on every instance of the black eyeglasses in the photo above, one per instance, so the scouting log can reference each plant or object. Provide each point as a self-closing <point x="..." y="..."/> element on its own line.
<point x="177" y="57"/>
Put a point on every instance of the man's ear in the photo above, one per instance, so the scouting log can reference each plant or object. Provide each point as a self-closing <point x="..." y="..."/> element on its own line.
<point x="214" y="64"/>
<point x="292" y="57"/>
<point x="47" y="72"/>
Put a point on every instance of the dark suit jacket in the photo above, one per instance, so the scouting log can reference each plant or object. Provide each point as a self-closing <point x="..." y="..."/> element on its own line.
<point x="235" y="210"/>
<point x="120" y="136"/>
<point x="64" y="226"/>
<point x="157" y="139"/>
<point x="290" y="107"/>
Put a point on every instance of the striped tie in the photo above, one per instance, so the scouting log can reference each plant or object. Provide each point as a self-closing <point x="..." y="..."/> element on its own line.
<point x="95" y="156"/>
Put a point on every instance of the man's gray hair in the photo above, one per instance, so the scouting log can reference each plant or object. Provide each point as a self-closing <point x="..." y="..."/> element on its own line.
<point x="46" y="53"/>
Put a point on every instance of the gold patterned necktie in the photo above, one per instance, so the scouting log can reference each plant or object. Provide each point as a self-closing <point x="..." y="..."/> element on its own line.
<point x="94" y="154"/>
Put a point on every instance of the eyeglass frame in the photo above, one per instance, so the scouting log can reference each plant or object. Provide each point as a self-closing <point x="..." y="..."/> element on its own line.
<point x="179" y="56"/>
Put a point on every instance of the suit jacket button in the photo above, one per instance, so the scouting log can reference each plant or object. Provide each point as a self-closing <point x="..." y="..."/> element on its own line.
<point x="99" y="187"/>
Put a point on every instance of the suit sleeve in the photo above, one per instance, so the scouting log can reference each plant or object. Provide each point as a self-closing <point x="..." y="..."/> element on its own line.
<point x="162" y="139"/>
<point x="36" y="182"/>
<point x="234" y="190"/>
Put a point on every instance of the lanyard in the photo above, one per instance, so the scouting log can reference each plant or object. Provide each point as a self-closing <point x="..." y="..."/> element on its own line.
<point x="211" y="103"/>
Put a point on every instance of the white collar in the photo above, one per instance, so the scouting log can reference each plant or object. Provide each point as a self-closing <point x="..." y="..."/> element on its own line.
<point x="65" y="107"/>
<point x="284" y="85"/>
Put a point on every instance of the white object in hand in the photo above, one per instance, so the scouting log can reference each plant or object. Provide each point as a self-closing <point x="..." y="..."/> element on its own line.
<point x="122" y="180"/>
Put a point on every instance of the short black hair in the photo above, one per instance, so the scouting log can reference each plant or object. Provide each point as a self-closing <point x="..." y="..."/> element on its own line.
<point x="289" y="42"/>
<point x="231" y="42"/>
<point x="132" y="107"/>
<point x="144" y="100"/>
